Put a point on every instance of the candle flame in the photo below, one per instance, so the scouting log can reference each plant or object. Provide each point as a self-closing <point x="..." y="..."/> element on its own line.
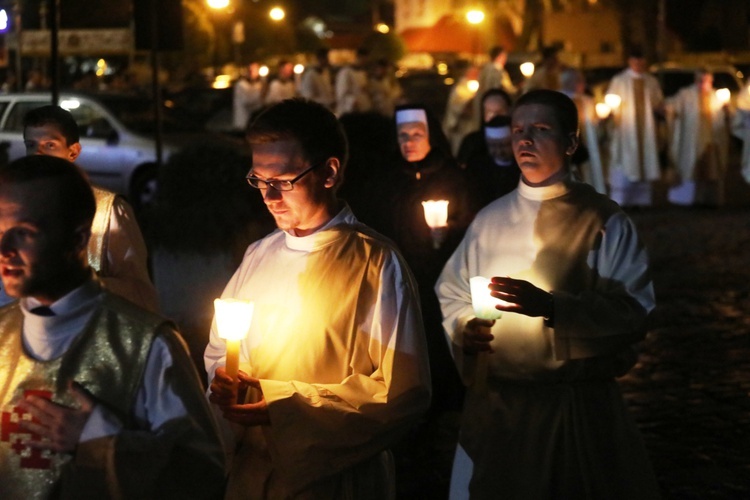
<point x="484" y="303"/>
<point x="233" y="318"/>
<point x="723" y="95"/>
<point x="602" y="110"/>
<point x="613" y="101"/>
<point x="436" y="213"/>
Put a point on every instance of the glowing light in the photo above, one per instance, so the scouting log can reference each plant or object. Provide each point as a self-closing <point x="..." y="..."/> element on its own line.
<point x="723" y="95"/>
<point x="481" y="300"/>
<point x="277" y="14"/>
<point x="527" y="69"/>
<point x="4" y="24"/>
<point x="475" y="16"/>
<point x="382" y="28"/>
<point x="602" y="110"/>
<point x="472" y="85"/>
<point x="218" y="4"/>
<point x="613" y="101"/>
<point x="449" y="81"/>
<point x="222" y="82"/>
<point x="263" y="71"/>
<point x="70" y="104"/>
<point x="436" y="213"/>
<point x="233" y="318"/>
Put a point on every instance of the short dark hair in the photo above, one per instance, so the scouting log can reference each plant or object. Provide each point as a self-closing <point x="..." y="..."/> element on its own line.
<point x="309" y="123"/>
<point x="563" y="106"/>
<point x="498" y="121"/>
<point x="57" y="116"/>
<point x="496" y="51"/>
<point x="75" y="199"/>
<point x="495" y="92"/>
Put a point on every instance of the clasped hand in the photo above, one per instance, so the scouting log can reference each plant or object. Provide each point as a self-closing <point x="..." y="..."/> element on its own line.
<point x="224" y="394"/>
<point x="59" y="426"/>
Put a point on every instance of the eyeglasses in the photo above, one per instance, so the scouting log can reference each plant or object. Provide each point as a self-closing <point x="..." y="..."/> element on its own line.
<point x="279" y="185"/>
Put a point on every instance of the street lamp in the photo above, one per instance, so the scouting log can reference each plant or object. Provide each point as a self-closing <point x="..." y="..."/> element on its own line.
<point x="277" y="14"/>
<point x="475" y="17"/>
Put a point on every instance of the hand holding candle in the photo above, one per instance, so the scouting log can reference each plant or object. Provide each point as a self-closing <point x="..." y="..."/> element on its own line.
<point x="436" y="216"/>
<point x="233" y="318"/>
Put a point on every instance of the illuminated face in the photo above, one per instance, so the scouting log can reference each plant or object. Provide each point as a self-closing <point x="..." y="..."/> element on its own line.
<point x="540" y="146"/>
<point x="494" y="106"/>
<point x="501" y="150"/>
<point x="36" y="252"/>
<point x="303" y="209"/>
<point x="413" y="141"/>
<point x="47" y="140"/>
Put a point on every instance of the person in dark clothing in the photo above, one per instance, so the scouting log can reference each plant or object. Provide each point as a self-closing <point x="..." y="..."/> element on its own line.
<point x="495" y="173"/>
<point x="423" y="169"/>
<point x="495" y="102"/>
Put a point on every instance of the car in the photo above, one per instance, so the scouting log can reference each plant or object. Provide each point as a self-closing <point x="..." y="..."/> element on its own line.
<point x="118" y="150"/>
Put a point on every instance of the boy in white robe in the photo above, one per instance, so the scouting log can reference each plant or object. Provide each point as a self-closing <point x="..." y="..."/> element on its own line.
<point x="544" y="417"/>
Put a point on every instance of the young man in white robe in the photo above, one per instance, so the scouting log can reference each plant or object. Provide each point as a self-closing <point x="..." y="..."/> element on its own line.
<point x="334" y="364"/>
<point x="699" y="123"/>
<point x="117" y="250"/>
<point x="98" y="396"/>
<point x="544" y="417"/>
<point x="634" y="149"/>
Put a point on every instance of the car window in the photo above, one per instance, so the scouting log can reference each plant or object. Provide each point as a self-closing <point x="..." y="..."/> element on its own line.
<point x="91" y="123"/>
<point x="14" y="123"/>
<point x="725" y="81"/>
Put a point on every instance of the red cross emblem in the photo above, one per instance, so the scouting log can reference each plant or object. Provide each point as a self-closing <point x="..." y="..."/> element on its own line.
<point x="11" y="432"/>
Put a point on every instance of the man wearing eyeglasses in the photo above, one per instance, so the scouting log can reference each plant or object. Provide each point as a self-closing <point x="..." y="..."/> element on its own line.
<point x="334" y="368"/>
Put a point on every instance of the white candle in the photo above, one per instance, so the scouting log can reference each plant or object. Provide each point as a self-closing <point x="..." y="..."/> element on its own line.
<point x="723" y="95"/>
<point x="233" y="318"/>
<point x="484" y="303"/>
<point x="527" y="69"/>
<point x="602" y="110"/>
<point x="613" y="101"/>
<point x="436" y="213"/>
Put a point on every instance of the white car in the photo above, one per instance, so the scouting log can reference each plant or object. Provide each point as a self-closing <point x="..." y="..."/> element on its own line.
<point x="117" y="147"/>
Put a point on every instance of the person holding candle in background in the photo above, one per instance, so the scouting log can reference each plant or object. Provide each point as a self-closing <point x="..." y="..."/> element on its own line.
<point x="423" y="170"/>
<point x="98" y="397"/>
<point x="634" y="148"/>
<point x="699" y="121"/>
<point x="334" y="367"/>
<point x="543" y="416"/>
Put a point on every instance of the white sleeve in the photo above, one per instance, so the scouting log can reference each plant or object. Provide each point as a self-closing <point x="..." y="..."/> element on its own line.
<point x="127" y="258"/>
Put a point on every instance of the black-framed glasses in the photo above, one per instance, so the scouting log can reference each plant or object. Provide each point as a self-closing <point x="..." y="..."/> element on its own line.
<point x="279" y="185"/>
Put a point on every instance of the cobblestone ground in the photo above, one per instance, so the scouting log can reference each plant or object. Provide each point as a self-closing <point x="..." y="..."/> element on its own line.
<point x="690" y="391"/>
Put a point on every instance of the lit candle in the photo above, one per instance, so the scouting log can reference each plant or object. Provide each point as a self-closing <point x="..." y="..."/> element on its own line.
<point x="613" y="101"/>
<point x="233" y="318"/>
<point x="436" y="216"/>
<point x="602" y="110"/>
<point x="527" y="69"/>
<point x="484" y="303"/>
<point x="723" y="95"/>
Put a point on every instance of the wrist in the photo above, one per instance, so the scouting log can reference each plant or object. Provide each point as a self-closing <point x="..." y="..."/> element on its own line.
<point x="549" y="317"/>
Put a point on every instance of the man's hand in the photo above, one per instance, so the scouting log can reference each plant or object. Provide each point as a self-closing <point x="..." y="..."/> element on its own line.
<point x="522" y="297"/>
<point x="224" y="394"/>
<point x="477" y="336"/>
<point x="59" y="426"/>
